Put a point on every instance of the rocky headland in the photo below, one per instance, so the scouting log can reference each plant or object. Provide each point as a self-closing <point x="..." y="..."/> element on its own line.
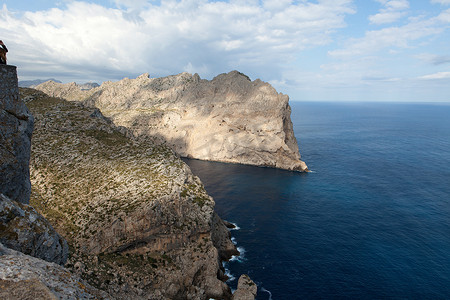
<point x="123" y="213"/>
<point x="229" y="118"/>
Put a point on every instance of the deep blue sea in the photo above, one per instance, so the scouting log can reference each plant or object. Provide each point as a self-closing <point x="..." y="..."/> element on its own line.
<point x="372" y="221"/>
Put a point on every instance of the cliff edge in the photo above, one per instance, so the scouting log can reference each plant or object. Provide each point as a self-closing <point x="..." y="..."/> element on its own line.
<point x="16" y="124"/>
<point x="229" y="118"/>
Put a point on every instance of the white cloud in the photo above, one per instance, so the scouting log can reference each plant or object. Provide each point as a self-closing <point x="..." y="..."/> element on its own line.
<point x="438" y="75"/>
<point x="397" y="4"/>
<point x="383" y="60"/>
<point x="274" y="5"/>
<point x="434" y="59"/>
<point x="393" y="10"/>
<point x="132" y="4"/>
<point x="386" y="17"/>
<point x="444" y="16"/>
<point x="167" y="38"/>
<point x="394" y="36"/>
<point x="444" y="2"/>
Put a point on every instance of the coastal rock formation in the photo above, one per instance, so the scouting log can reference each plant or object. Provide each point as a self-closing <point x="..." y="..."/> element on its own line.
<point x="25" y="230"/>
<point x="246" y="289"/>
<point x="221" y="237"/>
<point x="140" y="224"/>
<point x="229" y="118"/>
<point x="26" y="277"/>
<point x="16" y="127"/>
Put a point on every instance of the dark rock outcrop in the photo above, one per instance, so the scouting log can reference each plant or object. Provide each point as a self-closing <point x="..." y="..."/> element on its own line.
<point x="16" y="127"/>
<point x="221" y="237"/>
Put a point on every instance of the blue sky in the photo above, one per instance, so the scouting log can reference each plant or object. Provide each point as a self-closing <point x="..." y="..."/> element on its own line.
<point x="333" y="50"/>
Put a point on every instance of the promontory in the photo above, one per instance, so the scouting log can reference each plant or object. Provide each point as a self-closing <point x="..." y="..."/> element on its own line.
<point x="228" y="119"/>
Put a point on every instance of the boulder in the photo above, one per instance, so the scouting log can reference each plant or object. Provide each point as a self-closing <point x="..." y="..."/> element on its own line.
<point x="23" y="229"/>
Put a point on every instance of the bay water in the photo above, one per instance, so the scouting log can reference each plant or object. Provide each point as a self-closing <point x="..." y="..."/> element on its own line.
<point x="372" y="219"/>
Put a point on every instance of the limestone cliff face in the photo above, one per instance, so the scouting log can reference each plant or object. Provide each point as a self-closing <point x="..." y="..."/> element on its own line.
<point x="16" y="127"/>
<point x="141" y="225"/>
<point x="228" y="119"/>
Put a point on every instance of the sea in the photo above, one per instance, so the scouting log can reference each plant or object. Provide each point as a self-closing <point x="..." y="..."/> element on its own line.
<point x="372" y="219"/>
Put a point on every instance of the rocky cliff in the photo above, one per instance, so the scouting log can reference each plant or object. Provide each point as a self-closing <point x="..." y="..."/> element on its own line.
<point x="140" y="224"/>
<point x="16" y="124"/>
<point x="22" y="228"/>
<point x="228" y="119"/>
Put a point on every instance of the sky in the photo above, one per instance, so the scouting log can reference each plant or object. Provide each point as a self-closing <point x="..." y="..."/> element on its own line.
<point x="323" y="50"/>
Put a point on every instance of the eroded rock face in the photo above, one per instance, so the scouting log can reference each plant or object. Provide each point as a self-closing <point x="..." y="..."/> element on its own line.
<point x="16" y="127"/>
<point x="228" y="119"/>
<point x="221" y="237"/>
<point x="23" y="229"/>
<point x="26" y="277"/>
<point x="141" y="224"/>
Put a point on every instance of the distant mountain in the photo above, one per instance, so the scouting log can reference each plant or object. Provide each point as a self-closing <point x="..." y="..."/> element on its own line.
<point x="33" y="83"/>
<point x="88" y="85"/>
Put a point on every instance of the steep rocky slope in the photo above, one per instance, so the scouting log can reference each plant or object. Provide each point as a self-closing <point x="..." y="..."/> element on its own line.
<point x="140" y="225"/>
<point x="228" y="119"/>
